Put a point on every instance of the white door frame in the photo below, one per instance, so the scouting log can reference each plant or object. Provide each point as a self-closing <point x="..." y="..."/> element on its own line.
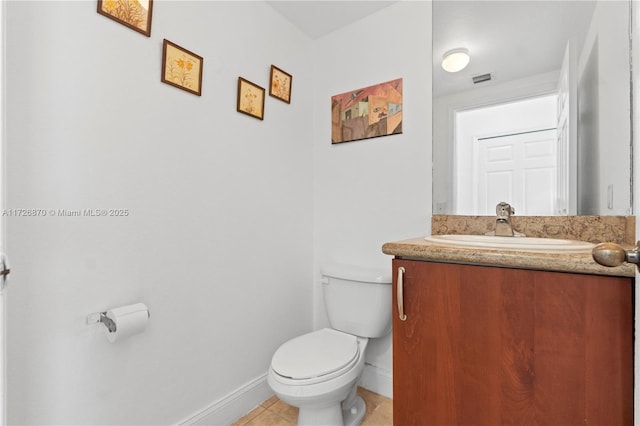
<point x="3" y="316"/>
<point x="635" y="166"/>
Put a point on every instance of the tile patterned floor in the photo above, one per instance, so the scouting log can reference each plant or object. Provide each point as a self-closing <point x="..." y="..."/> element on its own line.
<point x="274" y="412"/>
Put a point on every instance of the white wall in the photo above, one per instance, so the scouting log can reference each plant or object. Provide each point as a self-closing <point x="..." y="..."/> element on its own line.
<point x="218" y="242"/>
<point x="376" y="190"/>
<point x="230" y="218"/>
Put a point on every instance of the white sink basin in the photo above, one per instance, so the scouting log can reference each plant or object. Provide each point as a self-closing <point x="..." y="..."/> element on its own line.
<point x="532" y="244"/>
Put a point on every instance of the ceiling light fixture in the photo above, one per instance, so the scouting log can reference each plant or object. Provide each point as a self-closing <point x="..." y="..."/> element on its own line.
<point x="455" y="60"/>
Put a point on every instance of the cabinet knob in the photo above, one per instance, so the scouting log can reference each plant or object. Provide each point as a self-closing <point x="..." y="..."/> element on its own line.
<point x="612" y="254"/>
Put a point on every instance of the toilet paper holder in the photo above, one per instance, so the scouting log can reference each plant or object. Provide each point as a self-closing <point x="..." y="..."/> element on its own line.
<point x="122" y="322"/>
<point x="101" y="317"/>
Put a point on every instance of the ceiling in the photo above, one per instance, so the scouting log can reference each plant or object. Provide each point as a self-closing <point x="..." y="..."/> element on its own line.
<point x="319" y="18"/>
<point x="509" y="39"/>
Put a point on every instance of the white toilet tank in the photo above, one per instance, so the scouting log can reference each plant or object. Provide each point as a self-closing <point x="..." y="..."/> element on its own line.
<point x="358" y="299"/>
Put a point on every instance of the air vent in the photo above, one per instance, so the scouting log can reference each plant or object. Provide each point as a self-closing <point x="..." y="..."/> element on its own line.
<point x="480" y="78"/>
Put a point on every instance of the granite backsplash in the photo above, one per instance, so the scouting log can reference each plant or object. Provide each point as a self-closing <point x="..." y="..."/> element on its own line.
<point x="595" y="229"/>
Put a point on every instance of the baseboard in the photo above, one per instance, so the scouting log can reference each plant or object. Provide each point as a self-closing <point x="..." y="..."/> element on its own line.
<point x="234" y="405"/>
<point x="378" y="380"/>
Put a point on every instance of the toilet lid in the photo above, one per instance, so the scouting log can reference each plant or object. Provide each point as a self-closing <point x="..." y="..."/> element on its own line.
<point x="315" y="354"/>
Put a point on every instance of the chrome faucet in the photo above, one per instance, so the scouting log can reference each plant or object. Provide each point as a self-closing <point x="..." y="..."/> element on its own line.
<point x="503" y="221"/>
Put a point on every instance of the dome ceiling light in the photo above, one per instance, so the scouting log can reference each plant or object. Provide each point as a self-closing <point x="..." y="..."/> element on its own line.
<point x="455" y="60"/>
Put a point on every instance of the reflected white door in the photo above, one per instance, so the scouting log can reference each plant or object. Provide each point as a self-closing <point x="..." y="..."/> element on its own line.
<point x="519" y="169"/>
<point x="484" y="132"/>
<point x="566" y="180"/>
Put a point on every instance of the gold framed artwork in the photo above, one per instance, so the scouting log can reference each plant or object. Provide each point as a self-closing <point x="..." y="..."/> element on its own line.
<point x="135" y="14"/>
<point x="367" y="113"/>
<point x="280" y="84"/>
<point x="250" y="98"/>
<point x="181" y="68"/>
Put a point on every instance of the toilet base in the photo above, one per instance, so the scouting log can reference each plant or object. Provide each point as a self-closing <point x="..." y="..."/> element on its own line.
<point x="354" y="415"/>
<point x="315" y="416"/>
<point x="333" y="414"/>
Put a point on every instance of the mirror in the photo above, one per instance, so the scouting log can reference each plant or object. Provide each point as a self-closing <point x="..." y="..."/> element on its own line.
<point x="574" y="57"/>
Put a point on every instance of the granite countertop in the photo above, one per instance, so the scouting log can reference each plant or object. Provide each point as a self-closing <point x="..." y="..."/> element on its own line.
<point x="583" y="263"/>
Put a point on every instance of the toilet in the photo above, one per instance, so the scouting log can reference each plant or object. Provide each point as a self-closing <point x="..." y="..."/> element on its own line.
<point x="319" y="372"/>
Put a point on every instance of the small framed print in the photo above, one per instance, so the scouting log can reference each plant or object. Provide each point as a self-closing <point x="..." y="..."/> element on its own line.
<point x="280" y="84"/>
<point x="181" y="68"/>
<point x="250" y="98"/>
<point x="135" y="14"/>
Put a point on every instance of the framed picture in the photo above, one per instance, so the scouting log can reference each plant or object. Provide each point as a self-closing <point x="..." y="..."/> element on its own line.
<point x="181" y="68"/>
<point x="368" y="112"/>
<point x="250" y="98"/>
<point x="280" y="86"/>
<point x="135" y="14"/>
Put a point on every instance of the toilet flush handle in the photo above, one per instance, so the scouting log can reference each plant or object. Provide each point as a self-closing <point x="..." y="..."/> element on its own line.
<point x="400" y="294"/>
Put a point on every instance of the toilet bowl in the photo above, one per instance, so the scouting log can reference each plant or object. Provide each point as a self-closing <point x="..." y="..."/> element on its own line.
<point x="318" y="372"/>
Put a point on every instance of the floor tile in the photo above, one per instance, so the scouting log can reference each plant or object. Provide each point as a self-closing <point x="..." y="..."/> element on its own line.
<point x="382" y="415"/>
<point x="284" y="410"/>
<point x="250" y="416"/>
<point x="269" y="418"/>
<point x="269" y="402"/>
<point x="274" y="412"/>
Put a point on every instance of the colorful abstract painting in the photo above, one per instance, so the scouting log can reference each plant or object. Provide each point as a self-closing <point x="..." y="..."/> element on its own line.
<point x="367" y="113"/>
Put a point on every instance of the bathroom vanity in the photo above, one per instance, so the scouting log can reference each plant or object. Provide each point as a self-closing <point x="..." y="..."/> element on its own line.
<point x="490" y="337"/>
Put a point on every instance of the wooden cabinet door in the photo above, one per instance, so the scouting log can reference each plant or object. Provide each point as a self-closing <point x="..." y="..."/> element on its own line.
<point x="497" y="346"/>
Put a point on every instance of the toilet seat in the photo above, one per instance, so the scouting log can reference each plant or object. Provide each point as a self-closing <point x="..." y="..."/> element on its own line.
<point x="317" y="356"/>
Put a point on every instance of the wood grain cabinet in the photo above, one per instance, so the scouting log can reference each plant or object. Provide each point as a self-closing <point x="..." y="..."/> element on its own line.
<point x="498" y="346"/>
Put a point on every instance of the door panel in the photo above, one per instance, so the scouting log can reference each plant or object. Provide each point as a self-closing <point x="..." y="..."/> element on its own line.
<point x="520" y="169"/>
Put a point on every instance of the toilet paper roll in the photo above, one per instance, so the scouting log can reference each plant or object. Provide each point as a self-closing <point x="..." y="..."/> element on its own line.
<point x="129" y="320"/>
